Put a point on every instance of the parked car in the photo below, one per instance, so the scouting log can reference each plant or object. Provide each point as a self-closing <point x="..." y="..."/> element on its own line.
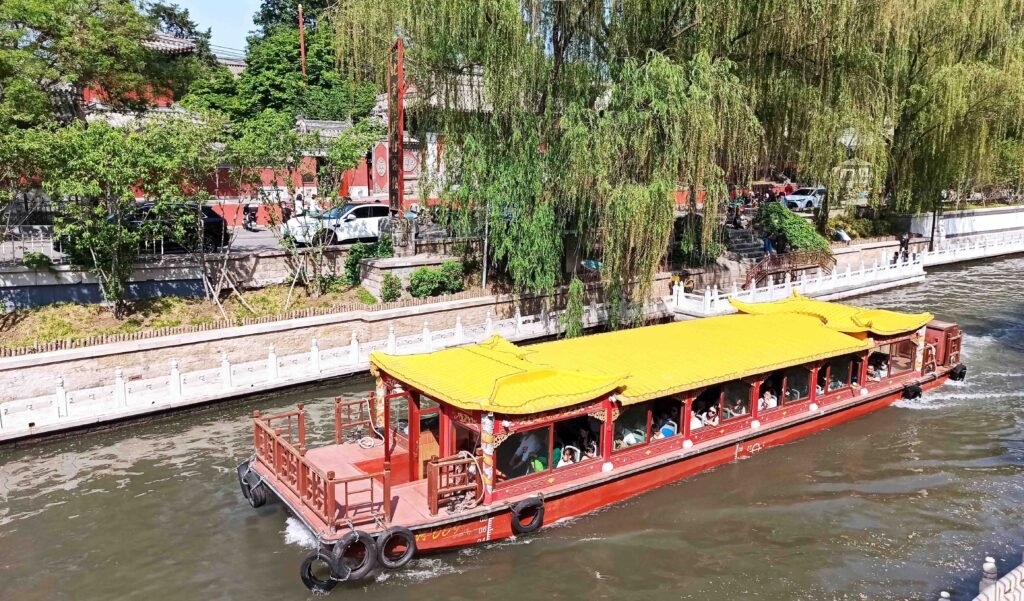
<point x="209" y="233"/>
<point x="805" y="199"/>
<point x="347" y="223"/>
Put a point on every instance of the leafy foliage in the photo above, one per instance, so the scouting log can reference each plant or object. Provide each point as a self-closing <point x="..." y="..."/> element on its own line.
<point x="777" y="221"/>
<point x="49" y="46"/>
<point x="572" y="317"/>
<point x="361" y="250"/>
<point x="97" y="169"/>
<point x="391" y="288"/>
<point x="36" y="260"/>
<point x="446" y="279"/>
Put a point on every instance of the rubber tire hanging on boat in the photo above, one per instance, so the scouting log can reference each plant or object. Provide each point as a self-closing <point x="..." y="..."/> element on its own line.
<point x="958" y="373"/>
<point x="382" y="544"/>
<point x="343" y="569"/>
<point x="310" y="580"/>
<point x="243" y="472"/>
<point x="533" y="503"/>
<point x="912" y="392"/>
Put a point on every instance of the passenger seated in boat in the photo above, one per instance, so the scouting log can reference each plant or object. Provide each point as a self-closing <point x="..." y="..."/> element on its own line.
<point x="568" y="456"/>
<point x="711" y="417"/>
<point x="768" y="400"/>
<point x="874" y="374"/>
<point x="528" y="450"/>
<point x="695" y="421"/>
<point x="737" y="409"/>
<point x="633" y="437"/>
<point x="538" y="463"/>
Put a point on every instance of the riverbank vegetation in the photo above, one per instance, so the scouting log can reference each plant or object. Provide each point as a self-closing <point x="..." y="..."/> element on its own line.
<point x="592" y="116"/>
<point x="26" y="327"/>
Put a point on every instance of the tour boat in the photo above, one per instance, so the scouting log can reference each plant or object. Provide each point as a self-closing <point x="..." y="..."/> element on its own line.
<point x="488" y="441"/>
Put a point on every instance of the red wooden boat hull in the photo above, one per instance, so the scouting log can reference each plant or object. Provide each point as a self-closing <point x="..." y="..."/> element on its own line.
<point x="498" y="524"/>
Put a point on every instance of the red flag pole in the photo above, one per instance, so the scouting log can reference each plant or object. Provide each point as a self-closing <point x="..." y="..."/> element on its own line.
<point x="302" y="45"/>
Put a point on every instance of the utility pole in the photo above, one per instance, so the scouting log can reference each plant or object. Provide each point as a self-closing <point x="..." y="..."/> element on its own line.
<point x="302" y="46"/>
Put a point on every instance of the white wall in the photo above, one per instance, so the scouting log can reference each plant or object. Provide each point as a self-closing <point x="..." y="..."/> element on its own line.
<point x="956" y="224"/>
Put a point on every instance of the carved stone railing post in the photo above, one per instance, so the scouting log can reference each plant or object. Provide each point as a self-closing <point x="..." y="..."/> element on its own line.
<point x="225" y="372"/>
<point x="120" y="389"/>
<point x="392" y="345"/>
<point x="314" y="356"/>
<point x="62" y="398"/>
<point x="353" y="350"/>
<point x="272" y="364"/>
<point x="460" y="336"/>
<point x="989" y="575"/>
<point x="175" y="381"/>
<point x="427" y="338"/>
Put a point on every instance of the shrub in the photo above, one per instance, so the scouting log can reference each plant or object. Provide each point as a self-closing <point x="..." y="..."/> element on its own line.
<point x="572" y="318"/>
<point x="773" y="219"/>
<point x="34" y="260"/>
<point x="378" y="250"/>
<point x="452" y="278"/>
<point x="425" y="282"/>
<point x="391" y="289"/>
<point x="446" y="279"/>
<point x="333" y="284"/>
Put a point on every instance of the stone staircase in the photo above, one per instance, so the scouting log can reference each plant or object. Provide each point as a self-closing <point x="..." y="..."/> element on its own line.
<point x="744" y="244"/>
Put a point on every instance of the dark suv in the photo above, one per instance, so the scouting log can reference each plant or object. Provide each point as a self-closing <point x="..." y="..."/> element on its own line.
<point x="210" y="233"/>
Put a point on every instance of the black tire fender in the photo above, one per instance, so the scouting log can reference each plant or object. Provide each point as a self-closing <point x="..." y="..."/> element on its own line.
<point x="363" y="564"/>
<point x="312" y="582"/>
<point x="534" y="505"/>
<point x="396" y="535"/>
<point x="958" y="373"/>
<point x="912" y="392"/>
<point x="243" y="472"/>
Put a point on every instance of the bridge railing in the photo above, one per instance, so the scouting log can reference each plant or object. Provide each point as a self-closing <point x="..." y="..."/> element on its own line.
<point x="993" y="588"/>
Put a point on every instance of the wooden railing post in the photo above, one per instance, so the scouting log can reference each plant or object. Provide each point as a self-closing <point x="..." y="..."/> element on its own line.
<point x="432" y="477"/>
<point x="302" y="478"/>
<point x="329" y="503"/>
<point x="302" y="426"/>
<point x="387" y="492"/>
<point x="277" y="452"/>
<point x="337" y="420"/>
<point x="256" y="430"/>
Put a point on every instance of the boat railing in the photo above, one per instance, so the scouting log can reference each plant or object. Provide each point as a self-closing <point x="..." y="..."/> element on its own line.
<point x="281" y="448"/>
<point x="355" y="416"/>
<point x="450" y="478"/>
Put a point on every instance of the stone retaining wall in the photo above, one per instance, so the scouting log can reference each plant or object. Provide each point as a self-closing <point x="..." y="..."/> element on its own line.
<point x="33" y="375"/>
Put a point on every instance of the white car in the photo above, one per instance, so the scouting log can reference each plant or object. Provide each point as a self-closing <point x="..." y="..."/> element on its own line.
<point x="348" y="223"/>
<point x="805" y="199"/>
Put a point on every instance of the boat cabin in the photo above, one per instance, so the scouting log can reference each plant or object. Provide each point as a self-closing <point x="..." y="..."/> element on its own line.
<point x="464" y="430"/>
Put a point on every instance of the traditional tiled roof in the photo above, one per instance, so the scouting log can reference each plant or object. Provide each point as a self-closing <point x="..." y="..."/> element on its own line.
<point x="169" y="44"/>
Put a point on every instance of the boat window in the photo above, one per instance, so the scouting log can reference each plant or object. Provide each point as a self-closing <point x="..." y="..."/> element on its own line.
<point x="465" y="439"/>
<point x="798" y="380"/>
<point x="400" y="415"/>
<point x="839" y="373"/>
<point x="855" y="372"/>
<point x="524" y="453"/>
<point x="737" y="400"/>
<point x="631" y="426"/>
<point x="878" y="363"/>
<point x="770" y="392"/>
<point x="822" y="381"/>
<point x="427" y="403"/>
<point x="577" y="440"/>
<point x="706" y="409"/>
<point x="903" y="357"/>
<point x="665" y="418"/>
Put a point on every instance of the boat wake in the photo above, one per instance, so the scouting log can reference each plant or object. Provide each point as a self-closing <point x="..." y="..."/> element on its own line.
<point x="295" y="533"/>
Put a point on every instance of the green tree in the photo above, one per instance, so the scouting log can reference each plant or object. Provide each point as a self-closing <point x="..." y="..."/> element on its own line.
<point x="273" y="78"/>
<point x="286" y="12"/>
<point x="96" y="170"/>
<point x="53" y="50"/>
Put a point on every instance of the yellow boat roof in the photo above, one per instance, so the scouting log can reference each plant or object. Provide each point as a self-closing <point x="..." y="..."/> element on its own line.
<point x="638" y="364"/>
<point x="843" y="318"/>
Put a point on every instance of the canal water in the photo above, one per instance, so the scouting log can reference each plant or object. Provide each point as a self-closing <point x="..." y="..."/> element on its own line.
<point x="895" y="505"/>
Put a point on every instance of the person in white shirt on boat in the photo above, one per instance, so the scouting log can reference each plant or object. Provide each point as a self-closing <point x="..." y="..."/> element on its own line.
<point x="695" y="421"/>
<point x="711" y="417"/>
<point x="530" y="446"/>
<point x="768" y="400"/>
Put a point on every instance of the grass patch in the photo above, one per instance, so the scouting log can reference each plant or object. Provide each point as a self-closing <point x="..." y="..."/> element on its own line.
<point x="27" y="327"/>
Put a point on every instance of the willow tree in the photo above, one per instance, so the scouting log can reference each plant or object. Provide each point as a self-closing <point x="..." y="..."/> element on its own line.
<point x="591" y="116"/>
<point x="956" y="72"/>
